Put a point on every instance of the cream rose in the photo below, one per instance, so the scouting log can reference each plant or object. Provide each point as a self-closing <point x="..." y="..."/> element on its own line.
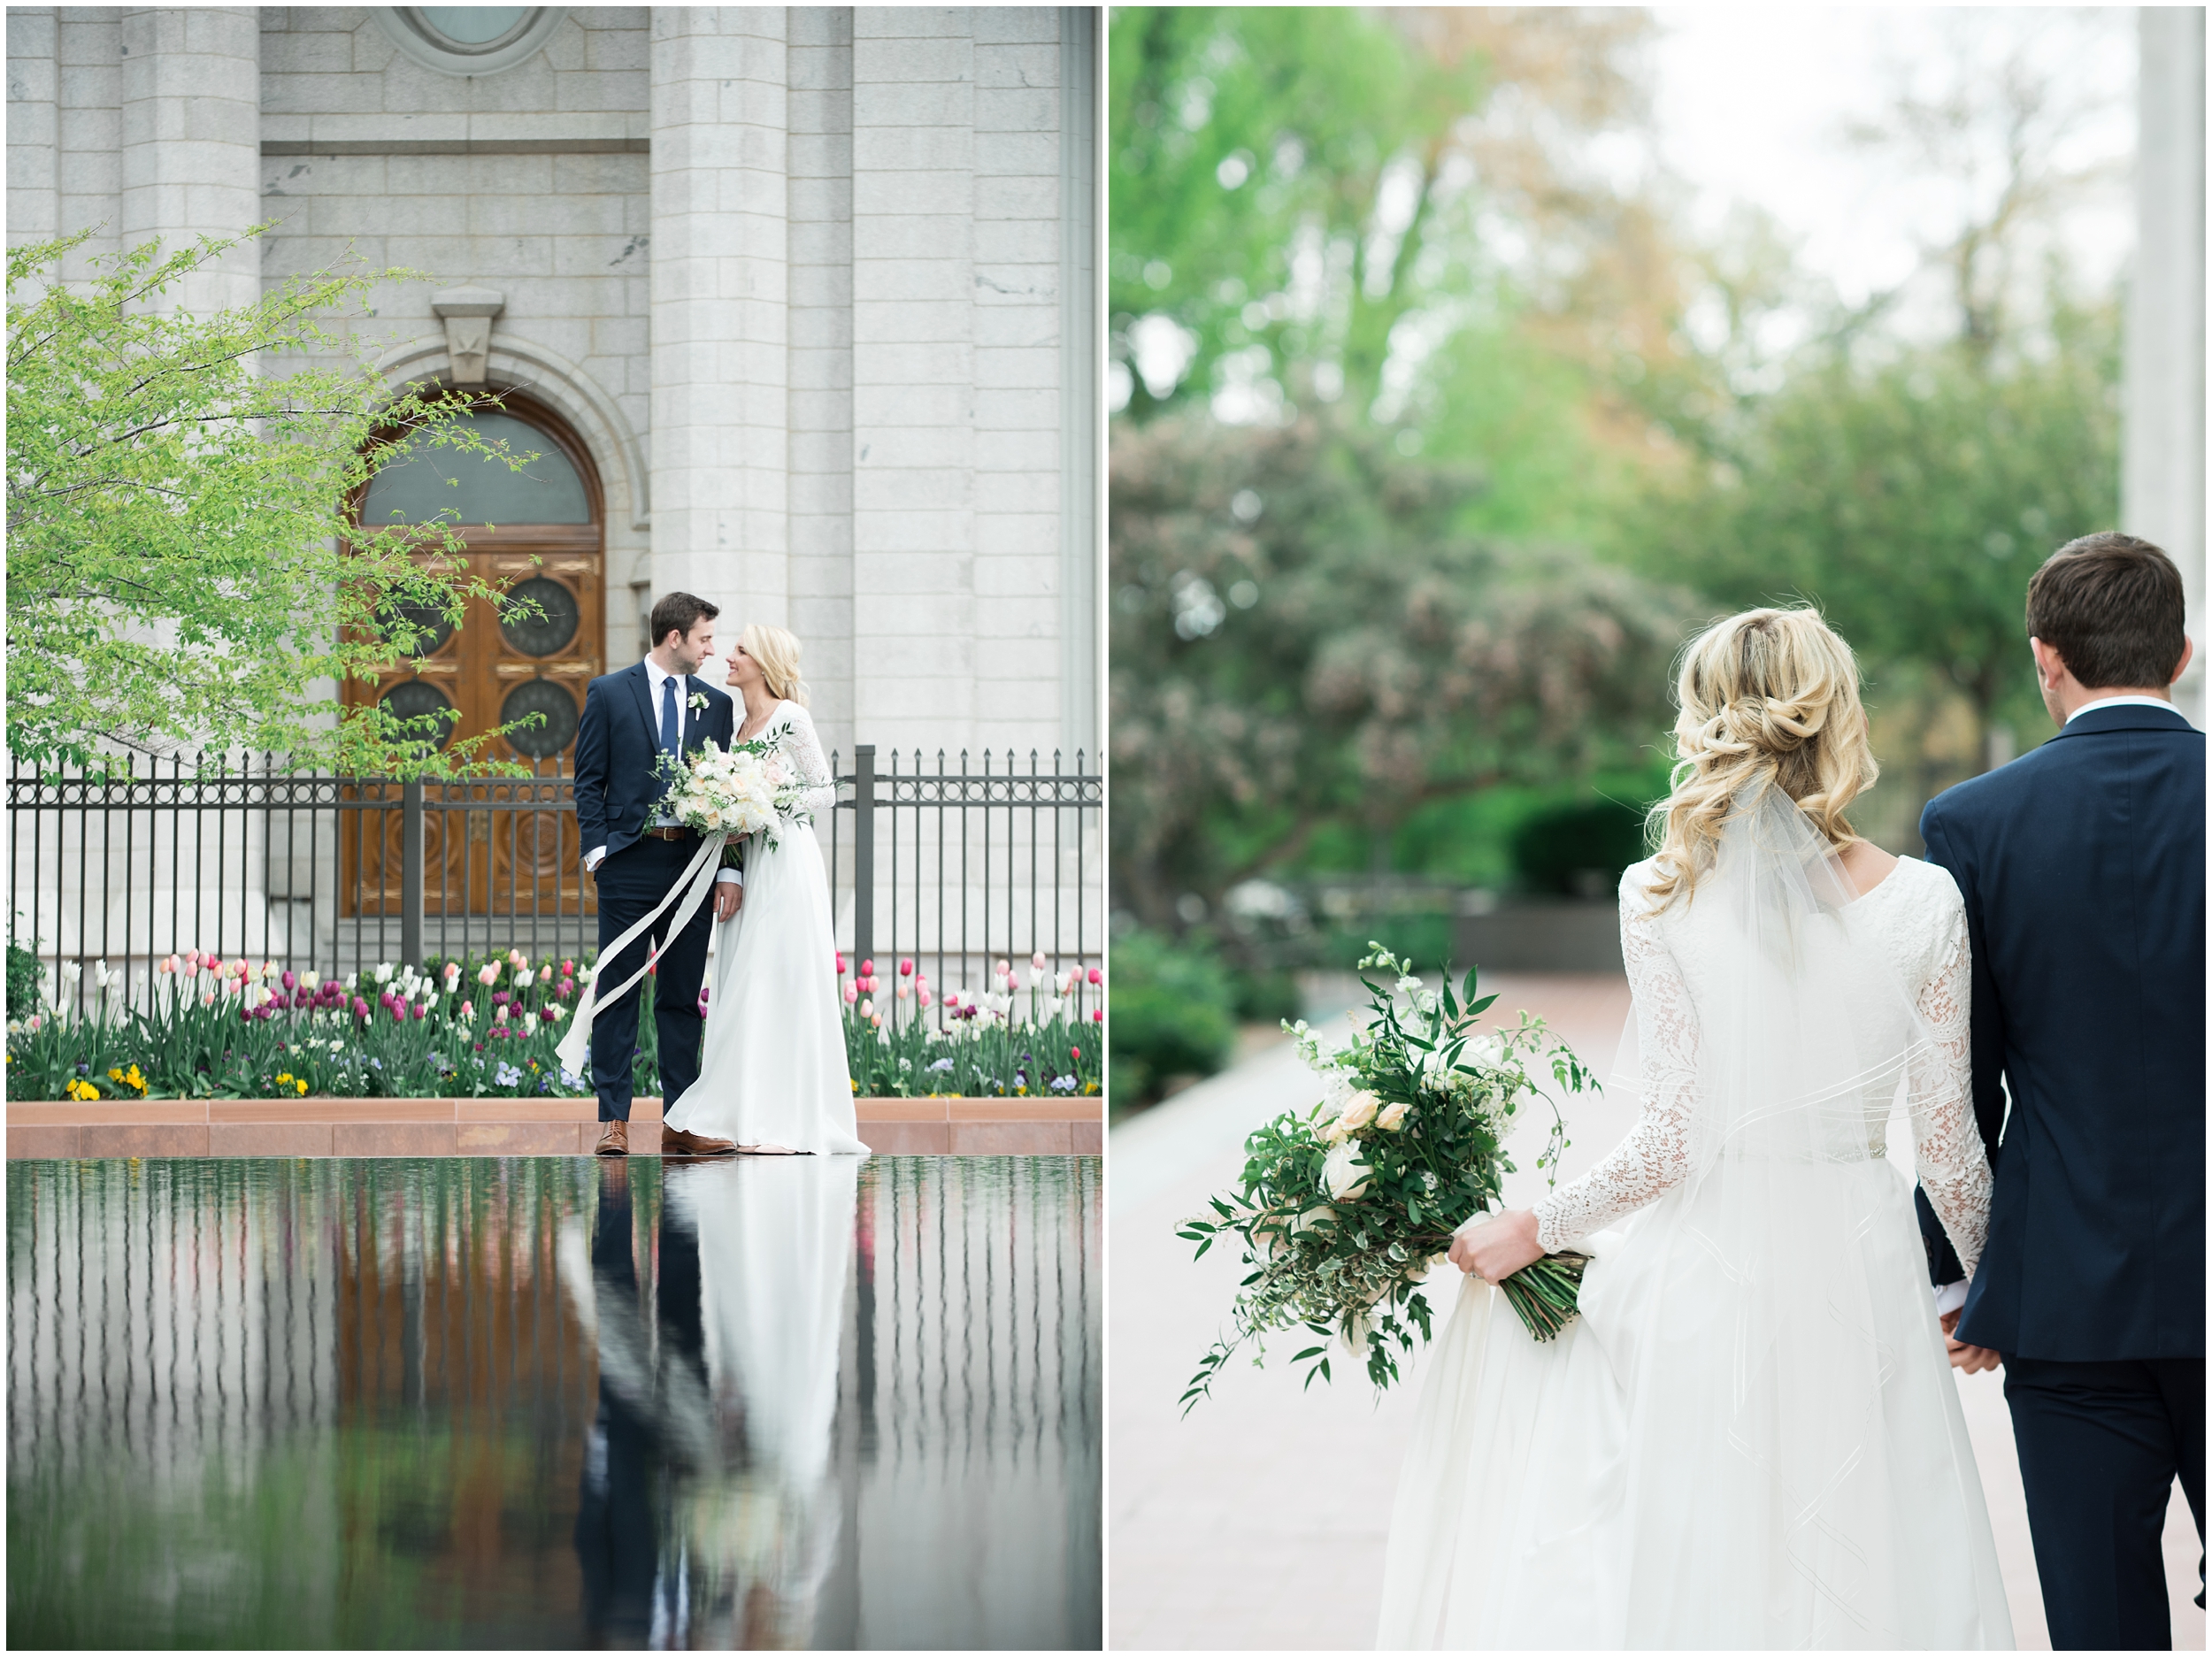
<point x="1344" y="1173"/>
<point x="1392" y="1116"/>
<point x="1359" y="1113"/>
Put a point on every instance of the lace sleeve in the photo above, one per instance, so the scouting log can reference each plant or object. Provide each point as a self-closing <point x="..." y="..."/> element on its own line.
<point x="1655" y="1156"/>
<point x="805" y="747"/>
<point x="1948" y="1150"/>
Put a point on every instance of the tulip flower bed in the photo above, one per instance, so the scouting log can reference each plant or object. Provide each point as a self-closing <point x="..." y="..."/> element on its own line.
<point x="1017" y="1041"/>
<point x="486" y="1027"/>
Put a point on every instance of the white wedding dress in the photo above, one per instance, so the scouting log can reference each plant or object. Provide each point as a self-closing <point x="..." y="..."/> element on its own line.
<point x="1751" y="1437"/>
<point x="771" y="1059"/>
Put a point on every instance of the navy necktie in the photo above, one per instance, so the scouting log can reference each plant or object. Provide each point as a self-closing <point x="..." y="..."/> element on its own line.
<point x="672" y="744"/>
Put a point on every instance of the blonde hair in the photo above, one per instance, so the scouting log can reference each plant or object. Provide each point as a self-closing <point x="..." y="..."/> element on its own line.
<point x="778" y="653"/>
<point x="1768" y="698"/>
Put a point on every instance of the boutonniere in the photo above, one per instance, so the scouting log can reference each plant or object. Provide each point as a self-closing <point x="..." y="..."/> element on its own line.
<point x="698" y="703"/>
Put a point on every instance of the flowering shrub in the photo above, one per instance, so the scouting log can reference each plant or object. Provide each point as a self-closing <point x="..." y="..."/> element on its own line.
<point x="487" y="1026"/>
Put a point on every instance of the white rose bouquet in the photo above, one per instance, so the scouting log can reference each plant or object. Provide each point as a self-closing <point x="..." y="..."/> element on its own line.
<point x="753" y="788"/>
<point x="1342" y="1210"/>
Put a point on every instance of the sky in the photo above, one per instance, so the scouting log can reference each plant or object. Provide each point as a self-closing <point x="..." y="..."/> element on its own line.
<point x="1751" y="105"/>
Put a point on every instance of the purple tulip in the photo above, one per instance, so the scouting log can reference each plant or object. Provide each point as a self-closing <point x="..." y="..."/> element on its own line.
<point x="290" y="981"/>
<point x="360" y="1008"/>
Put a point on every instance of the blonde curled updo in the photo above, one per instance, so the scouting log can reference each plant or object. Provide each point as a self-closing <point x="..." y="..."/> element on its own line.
<point x="1768" y="699"/>
<point x="777" y="651"/>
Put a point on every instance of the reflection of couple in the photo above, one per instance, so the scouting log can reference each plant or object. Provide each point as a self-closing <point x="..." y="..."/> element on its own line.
<point x="707" y="1513"/>
<point x="1751" y="1436"/>
<point x="763" y="1068"/>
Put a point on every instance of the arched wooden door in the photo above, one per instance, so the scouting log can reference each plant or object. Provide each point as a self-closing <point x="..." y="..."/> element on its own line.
<point x="538" y="534"/>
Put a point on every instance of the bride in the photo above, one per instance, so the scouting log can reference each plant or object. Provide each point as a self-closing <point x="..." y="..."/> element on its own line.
<point x="1751" y="1436"/>
<point x="772" y="1074"/>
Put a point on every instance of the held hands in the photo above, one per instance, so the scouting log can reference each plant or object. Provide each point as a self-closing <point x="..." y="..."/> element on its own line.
<point x="1973" y="1360"/>
<point x="1493" y="1246"/>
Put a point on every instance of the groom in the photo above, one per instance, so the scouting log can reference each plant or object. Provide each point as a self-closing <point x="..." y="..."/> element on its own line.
<point x="637" y="724"/>
<point x="2082" y="865"/>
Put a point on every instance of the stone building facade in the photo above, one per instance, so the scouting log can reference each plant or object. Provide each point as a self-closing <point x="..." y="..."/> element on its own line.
<point x="798" y="305"/>
<point x="810" y="288"/>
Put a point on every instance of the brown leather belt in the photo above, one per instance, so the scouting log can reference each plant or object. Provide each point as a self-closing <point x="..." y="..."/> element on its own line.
<point x="671" y="834"/>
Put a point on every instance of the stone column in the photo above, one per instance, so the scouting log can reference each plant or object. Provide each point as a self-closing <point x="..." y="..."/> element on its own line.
<point x="915" y="641"/>
<point x="2162" y="469"/>
<point x="1082" y="505"/>
<point x="34" y="110"/>
<point x="720" y="413"/>
<point x="821" y="198"/>
<point x="192" y="142"/>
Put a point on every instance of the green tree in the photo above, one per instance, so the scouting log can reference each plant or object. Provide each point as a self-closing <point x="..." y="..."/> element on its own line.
<point x="1910" y="499"/>
<point x="181" y="571"/>
<point x="1302" y="639"/>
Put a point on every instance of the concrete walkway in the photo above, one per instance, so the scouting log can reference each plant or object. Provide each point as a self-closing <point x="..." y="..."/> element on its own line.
<point x="1260" y="1520"/>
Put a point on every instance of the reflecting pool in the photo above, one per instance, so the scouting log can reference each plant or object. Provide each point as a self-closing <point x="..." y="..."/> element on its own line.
<point x="774" y="1401"/>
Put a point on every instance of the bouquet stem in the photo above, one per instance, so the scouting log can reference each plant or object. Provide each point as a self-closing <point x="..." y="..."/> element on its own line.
<point x="1545" y="1294"/>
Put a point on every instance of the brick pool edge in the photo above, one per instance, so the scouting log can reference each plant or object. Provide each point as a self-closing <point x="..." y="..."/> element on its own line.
<point x="505" y="1127"/>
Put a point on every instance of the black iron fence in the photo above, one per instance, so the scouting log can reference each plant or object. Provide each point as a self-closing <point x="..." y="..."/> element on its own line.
<point x="954" y="868"/>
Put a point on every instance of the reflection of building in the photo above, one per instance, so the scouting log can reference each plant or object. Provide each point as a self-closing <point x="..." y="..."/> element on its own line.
<point x="805" y="294"/>
<point x="351" y="1403"/>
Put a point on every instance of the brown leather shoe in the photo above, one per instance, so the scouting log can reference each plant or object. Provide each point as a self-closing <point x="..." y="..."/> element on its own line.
<point x="676" y="1142"/>
<point x="614" y="1138"/>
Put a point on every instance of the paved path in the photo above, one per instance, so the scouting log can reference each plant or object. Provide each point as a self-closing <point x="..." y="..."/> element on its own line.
<point x="1260" y="1520"/>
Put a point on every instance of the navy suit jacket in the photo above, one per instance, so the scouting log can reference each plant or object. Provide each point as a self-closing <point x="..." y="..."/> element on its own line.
<point x="2082" y="865"/>
<point x="618" y="743"/>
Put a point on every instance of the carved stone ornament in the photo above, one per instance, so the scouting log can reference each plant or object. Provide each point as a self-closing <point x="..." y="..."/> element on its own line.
<point x="467" y="313"/>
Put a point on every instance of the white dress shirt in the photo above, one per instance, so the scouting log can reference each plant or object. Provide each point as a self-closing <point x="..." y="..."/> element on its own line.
<point x="2124" y="702"/>
<point x="655" y="676"/>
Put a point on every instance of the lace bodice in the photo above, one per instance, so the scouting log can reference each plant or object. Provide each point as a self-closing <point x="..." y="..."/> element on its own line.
<point x="805" y="746"/>
<point x="1918" y="921"/>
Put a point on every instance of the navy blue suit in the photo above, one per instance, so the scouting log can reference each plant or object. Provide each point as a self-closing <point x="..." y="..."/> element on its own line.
<point x="2082" y="865"/>
<point x="618" y="751"/>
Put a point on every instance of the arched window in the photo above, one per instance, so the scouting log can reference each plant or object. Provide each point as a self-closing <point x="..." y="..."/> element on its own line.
<point x="469" y="40"/>
<point x="538" y="535"/>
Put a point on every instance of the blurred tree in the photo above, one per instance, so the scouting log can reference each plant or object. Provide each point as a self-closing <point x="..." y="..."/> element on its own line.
<point x="1301" y="640"/>
<point x="1910" y="464"/>
<point x="1421" y="217"/>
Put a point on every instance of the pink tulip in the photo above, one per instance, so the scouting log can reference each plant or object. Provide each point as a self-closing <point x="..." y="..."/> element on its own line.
<point x="906" y="967"/>
<point x="1097" y="977"/>
<point x="876" y="1019"/>
<point x="169" y="963"/>
<point x="868" y="968"/>
<point x="1075" y="1053"/>
<point x="518" y="960"/>
<point x="1037" y="961"/>
<point x="468" y="1010"/>
<point x="208" y="999"/>
<point x="568" y="969"/>
<point x="1005" y="967"/>
<point x="841" y="968"/>
<point x="489" y="973"/>
<point x="867" y="1009"/>
<point x="1098" y="1015"/>
<point x="902" y="992"/>
<point x="923" y="997"/>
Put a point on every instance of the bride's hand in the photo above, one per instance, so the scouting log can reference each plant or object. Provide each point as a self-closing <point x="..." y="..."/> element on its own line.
<point x="1497" y="1246"/>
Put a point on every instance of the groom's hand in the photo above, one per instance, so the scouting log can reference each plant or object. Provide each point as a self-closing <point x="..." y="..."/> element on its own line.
<point x="727" y="896"/>
<point x="1973" y="1360"/>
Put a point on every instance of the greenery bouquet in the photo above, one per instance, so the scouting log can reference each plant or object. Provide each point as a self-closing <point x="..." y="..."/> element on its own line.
<point x="1344" y="1209"/>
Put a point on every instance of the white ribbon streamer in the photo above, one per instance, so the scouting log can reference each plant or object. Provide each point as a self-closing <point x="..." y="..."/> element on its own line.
<point x="696" y="880"/>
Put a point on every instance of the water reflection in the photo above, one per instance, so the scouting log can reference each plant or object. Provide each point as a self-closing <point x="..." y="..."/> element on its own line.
<point x="774" y="1403"/>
